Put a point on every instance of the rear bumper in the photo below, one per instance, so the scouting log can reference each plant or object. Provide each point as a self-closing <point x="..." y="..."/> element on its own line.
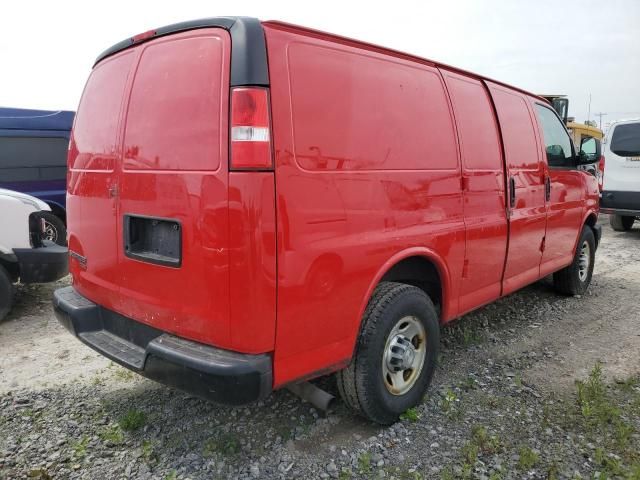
<point x="619" y="202"/>
<point x="624" y="212"/>
<point x="212" y="373"/>
<point x="42" y="264"/>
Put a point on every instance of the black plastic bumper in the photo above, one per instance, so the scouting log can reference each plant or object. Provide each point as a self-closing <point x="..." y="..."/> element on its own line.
<point x="42" y="264"/>
<point x="212" y="373"/>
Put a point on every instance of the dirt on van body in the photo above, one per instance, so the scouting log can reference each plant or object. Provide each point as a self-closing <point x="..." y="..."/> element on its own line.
<point x="504" y="402"/>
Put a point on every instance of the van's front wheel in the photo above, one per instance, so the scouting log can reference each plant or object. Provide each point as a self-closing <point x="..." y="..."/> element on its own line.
<point x="575" y="279"/>
<point x="395" y="355"/>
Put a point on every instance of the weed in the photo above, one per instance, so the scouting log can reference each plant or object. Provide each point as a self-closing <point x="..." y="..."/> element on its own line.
<point x="112" y="434"/>
<point x="148" y="452"/>
<point x="344" y="475"/>
<point x="124" y="374"/>
<point x="469" y="336"/>
<point x="79" y="447"/>
<point x="410" y="415"/>
<point x="553" y="472"/>
<point x="468" y="383"/>
<point x="132" y="420"/>
<point x="449" y="400"/>
<point x="364" y="462"/>
<point x="40" y="474"/>
<point x="172" y="475"/>
<point x="225" y="444"/>
<point x="528" y="458"/>
<point x="486" y="443"/>
<point x="497" y="475"/>
<point x="592" y="399"/>
<point x="629" y="384"/>
<point x="447" y="474"/>
<point x="517" y="380"/>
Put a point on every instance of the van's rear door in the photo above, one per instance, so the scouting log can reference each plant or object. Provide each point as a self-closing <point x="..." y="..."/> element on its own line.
<point x="92" y="181"/>
<point x="173" y="187"/>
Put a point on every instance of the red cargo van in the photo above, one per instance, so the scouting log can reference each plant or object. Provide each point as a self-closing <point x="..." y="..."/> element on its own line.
<point x="254" y="204"/>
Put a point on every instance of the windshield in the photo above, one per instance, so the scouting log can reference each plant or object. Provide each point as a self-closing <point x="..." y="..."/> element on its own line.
<point x="626" y="140"/>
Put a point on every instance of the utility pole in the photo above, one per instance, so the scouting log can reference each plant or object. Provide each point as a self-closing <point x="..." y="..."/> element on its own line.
<point x="600" y="115"/>
<point x="589" y="114"/>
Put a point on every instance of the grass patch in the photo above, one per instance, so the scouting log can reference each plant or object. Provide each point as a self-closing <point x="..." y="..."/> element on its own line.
<point x="449" y="402"/>
<point x="112" y="434"/>
<point x="132" y="420"/>
<point x="148" y="450"/>
<point x="528" y="458"/>
<point x="79" y="447"/>
<point x="124" y="374"/>
<point x="607" y="415"/>
<point x="226" y="444"/>
<point x="410" y="415"/>
<point x="364" y="462"/>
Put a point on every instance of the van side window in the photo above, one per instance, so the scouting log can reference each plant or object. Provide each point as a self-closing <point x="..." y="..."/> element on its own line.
<point x="557" y="143"/>
<point x="625" y="141"/>
<point x="33" y="158"/>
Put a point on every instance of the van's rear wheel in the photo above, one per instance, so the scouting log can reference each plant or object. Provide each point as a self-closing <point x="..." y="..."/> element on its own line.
<point x="575" y="279"/>
<point x="6" y="292"/>
<point x="395" y="355"/>
<point x="621" y="223"/>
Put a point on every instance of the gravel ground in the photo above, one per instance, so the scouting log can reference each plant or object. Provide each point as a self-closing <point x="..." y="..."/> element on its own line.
<point x="504" y="402"/>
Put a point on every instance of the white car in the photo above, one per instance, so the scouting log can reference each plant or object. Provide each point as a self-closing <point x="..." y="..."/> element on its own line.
<point x="24" y="255"/>
<point x="621" y="176"/>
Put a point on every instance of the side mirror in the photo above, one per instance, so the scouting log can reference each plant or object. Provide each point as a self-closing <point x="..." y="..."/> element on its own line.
<point x="585" y="158"/>
<point x="592" y="146"/>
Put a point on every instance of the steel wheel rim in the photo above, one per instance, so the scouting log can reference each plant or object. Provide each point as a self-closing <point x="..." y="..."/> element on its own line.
<point x="404" y="355"/>
<point x="583" y="261"/>
<point x="50" y="232"/>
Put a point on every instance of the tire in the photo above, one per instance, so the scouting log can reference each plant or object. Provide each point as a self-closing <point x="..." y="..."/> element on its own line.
<point x="575" y="279"/>
<point x="6" y="293"/>
<point x="621" y="223"/>
<point x="54" y="229"/>
<point x="366" y="385"/>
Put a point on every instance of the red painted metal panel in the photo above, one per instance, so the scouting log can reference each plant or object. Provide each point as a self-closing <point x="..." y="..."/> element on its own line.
<point x="366" y="168"/>
<point x="483" y="189"/>
<point x="528" y="216"/>
<point x="92" y="181"/>
<point x="175" y="166"/>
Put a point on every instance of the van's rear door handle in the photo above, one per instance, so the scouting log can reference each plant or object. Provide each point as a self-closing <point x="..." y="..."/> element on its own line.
<point x="512" y="192"/>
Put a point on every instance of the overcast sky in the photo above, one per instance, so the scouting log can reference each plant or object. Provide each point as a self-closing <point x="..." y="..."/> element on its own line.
<point x="569" y="47"/>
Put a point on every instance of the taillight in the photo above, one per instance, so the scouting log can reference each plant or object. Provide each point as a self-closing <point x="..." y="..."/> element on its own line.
<point x="250" y="129"/>
<point x="601" y="172"/>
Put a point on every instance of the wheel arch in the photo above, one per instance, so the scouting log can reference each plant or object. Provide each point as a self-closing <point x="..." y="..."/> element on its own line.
<point x="590" y="220"/>
<point x="420" y="267"/>
<point x="58" y="210"/>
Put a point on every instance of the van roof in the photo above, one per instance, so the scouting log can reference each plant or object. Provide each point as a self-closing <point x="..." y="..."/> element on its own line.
<point x="248" y="55"/>
<point x="27" y="119"/>
<point x="396" y="53"/>
<point x="251" y="62"/>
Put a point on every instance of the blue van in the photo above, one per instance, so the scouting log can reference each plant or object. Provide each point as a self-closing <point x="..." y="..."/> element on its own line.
<point x="33" y="160"/>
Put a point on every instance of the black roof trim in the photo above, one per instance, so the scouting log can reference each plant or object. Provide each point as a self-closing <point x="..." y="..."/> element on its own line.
<point x="248" y="49"/>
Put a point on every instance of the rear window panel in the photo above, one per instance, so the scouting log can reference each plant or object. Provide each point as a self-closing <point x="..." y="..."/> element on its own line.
<point x="625" y="141"/>
<point x="95" y="132"/>
<point x="357" y="111"/>
<point x="174" y="120"/>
